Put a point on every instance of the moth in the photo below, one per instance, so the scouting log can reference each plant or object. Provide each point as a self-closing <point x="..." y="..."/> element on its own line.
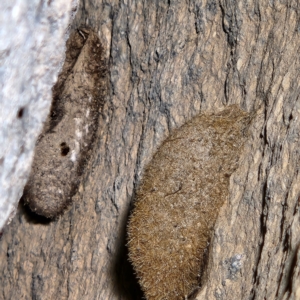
<point x="64" y="146"/>
<point x="178" y="200"/>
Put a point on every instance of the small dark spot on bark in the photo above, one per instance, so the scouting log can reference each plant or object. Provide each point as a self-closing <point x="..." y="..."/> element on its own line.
<point x="20" y="113"/>
<point x="212" y="6"/>
<point x="64" y="149"/>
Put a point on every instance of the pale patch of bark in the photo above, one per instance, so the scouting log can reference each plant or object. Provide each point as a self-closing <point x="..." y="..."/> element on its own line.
<point x="32" y="36"/>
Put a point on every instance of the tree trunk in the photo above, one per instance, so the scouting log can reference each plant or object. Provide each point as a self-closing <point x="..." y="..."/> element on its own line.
<point x="169" y="61"/>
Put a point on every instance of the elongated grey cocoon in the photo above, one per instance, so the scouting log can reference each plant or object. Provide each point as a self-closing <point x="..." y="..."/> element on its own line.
<point x="63" y="147"/>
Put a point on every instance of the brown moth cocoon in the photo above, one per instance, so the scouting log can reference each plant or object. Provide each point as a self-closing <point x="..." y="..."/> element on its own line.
<point x="63" y="148"/>
<point x="178" y="201"/>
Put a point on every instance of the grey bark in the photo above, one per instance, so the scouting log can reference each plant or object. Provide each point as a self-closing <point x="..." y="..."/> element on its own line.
<point x="33" y="36"/>
<point x="169" y="61"/>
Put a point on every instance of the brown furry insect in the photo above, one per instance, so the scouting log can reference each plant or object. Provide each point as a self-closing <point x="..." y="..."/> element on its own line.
<point x="178" y="201"/>
<point x="63" y="148"/>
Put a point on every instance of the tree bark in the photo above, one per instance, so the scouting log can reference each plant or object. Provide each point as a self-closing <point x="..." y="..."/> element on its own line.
<point x="169" y="61"/>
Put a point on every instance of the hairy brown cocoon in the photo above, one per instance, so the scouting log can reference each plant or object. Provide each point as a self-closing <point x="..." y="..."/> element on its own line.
<point x="178" y="201"/>
<point x="63" y="147"/>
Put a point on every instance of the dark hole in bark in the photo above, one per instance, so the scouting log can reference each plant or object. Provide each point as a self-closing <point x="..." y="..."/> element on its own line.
<point x="64" y="149"/>
<point x="20" y="113"/>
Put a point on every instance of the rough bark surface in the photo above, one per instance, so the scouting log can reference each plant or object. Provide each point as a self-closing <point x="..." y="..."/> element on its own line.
<point x="169" y="61"/>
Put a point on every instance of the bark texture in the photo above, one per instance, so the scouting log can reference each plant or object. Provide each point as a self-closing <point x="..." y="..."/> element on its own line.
<point x="169" y="61"/>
